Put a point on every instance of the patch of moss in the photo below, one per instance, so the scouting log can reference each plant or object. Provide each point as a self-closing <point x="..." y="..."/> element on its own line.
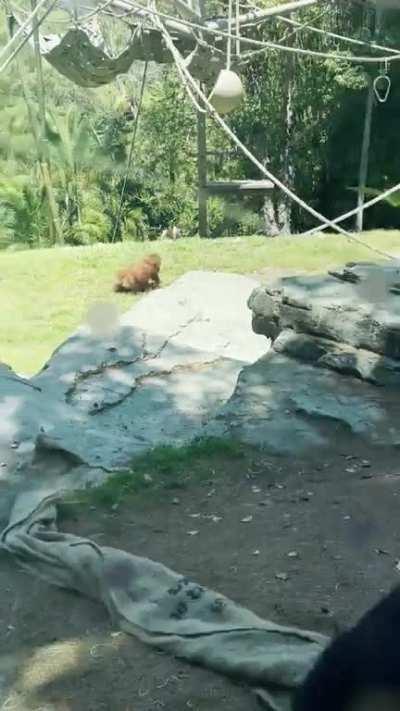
<point x="164" y="467"/>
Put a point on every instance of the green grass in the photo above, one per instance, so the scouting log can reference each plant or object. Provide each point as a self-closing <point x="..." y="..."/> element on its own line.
<point x="45" y="294"/>
<point x="162" y="468"/>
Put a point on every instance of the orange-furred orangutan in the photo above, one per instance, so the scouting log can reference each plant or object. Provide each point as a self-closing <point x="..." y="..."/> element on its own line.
<point x="141" y="276"/>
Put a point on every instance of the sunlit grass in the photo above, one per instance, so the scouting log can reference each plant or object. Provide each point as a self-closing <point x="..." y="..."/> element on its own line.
<point x="45" y="294"/>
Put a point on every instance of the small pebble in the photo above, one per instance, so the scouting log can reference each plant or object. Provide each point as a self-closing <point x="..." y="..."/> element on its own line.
<point x="176" y="501"/>
<point x="256" y="552"/>
<point x="293" y="554"/>
<point x="247" y="519"/>
<point x="192" y="533"/>
<point x="365" y="463"/>
<point x="282" y="576"/>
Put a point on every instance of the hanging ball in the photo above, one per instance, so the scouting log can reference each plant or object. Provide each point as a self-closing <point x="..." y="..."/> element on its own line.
<point x="228" y="92"/>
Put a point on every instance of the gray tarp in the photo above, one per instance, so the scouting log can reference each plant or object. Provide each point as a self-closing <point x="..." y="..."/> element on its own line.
<point x="160" y="607"/>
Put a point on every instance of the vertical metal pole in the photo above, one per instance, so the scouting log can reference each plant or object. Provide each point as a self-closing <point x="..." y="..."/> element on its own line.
<point x="202" y="173"/>
<point x="366" y="142"/>
<point x="363" y="172"/>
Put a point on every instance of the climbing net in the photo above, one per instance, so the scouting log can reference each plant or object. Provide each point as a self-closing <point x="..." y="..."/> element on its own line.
<point x="80" y="55"/>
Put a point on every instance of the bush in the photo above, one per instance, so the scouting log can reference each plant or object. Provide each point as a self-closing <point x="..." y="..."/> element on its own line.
<point x="93" y="224"/>
<point x="136" y="226"/>
<point x="23" y="218"/>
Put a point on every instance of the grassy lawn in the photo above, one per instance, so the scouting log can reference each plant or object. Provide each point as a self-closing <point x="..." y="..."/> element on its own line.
<point x="45" y="294"/>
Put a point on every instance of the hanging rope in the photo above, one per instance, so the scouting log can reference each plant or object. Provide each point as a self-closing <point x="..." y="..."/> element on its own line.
<point x="333" y="35"/>
<point x="329" y="223"/>
<point x="237" y="29"/>
<point x="22" y="28"/>
<point x="179" y="61"/>
<point x="227" y="34"/>
<point x="351" y="213"/>
<point x="27" y="35"/>
<point x="130" y="156"/>
<point x="229" y="40"/>
<point x="266" y="44"/>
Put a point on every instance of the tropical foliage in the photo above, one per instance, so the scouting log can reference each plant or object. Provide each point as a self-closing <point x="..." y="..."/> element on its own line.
<point x="64" y="178"/>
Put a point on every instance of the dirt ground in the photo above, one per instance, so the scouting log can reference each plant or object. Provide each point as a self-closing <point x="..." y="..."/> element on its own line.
<point x="310" y="542"/>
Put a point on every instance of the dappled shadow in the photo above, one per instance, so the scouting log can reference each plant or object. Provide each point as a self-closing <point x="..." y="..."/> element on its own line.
<point x="97" y="404"/>
<point x="157" y="378"/>
<point x="104" y="402"/>
<point x="334" y="362"/>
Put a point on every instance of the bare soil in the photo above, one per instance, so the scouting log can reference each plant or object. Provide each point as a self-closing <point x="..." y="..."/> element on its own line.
<point x="310" y="542"/>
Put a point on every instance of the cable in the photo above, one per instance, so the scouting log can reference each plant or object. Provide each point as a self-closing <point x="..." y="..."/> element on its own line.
<point x="130" y="156"/>
<point x="266" y="44"/>
<point x="329" y="223"/>
<point x="251" y="55"/>
<point x="179" y="60"/>
<point x="343" y="38"/>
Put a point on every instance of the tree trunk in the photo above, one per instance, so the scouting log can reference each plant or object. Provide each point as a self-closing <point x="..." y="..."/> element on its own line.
<point x="278" y="207"/>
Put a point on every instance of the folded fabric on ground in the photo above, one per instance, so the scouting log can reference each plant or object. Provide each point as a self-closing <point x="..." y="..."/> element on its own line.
<point x="160" y="607"/>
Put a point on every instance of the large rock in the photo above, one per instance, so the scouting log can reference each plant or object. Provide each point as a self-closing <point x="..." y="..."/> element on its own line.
<point x="360" y="306"/>
<point x="159" y="378"/>
<point x="324" y="353"/>
<point x="334" y="339"/>
<point x="290" y="407"/>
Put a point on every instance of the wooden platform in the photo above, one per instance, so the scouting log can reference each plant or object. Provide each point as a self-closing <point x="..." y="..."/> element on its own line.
<point x="237" y="186"/>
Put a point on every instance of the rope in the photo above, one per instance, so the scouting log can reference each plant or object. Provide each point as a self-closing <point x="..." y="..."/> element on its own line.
<point x="320" y="16"/>
<point x="237" y="29"/>
<point x="81" y="19"/>
<point x="22" y="28"/>
<point x="351" y="213"/>
<point x="327" y="223"/>
<point x="179" y="60"/>
<point x="27" y="35"/>
<point x="269" y="45"/>
<point x="130" y="156"/>
<point x="229" y="35"/>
